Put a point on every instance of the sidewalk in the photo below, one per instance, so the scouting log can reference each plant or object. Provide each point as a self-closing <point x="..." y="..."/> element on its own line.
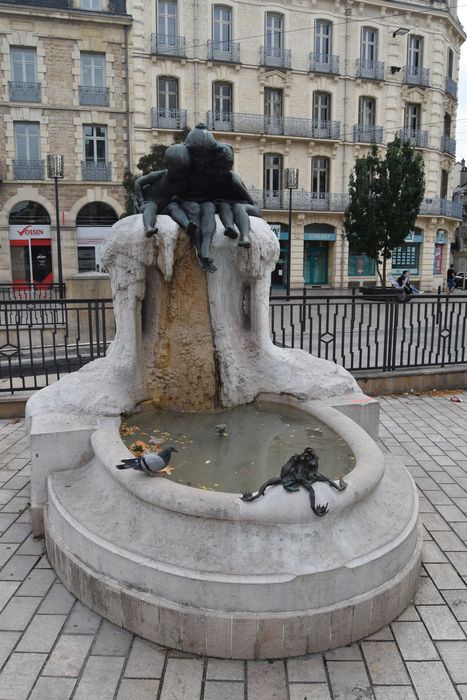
<point x="53" y="648"/>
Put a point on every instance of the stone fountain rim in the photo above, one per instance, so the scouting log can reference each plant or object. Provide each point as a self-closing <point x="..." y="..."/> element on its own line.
<point x="169" y="495"/>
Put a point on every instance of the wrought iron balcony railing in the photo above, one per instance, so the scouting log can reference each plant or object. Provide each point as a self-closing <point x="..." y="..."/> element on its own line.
<point x="168" y="45"/>
<point x="225" y="51"/>
<point x="301" y="200"/>
<point x="324" y="63"/>
<point x="260" y="124"/>
<point x="94" y="96"/>
<point x="451" y="87"/>
<point x="419" y="139"/>
<point x="441" y="207"/>
<point x="367" y="134"/>
<point x="24" y="92"/>
<point x="96" y="172"/>
<point x="28" y="169"/>
<point x="162" y="118"/>
<point x="448" y="145"/>
<point x="274" y="57"/>
<point x="373" y="70"/>
<point x="415" y="75"/>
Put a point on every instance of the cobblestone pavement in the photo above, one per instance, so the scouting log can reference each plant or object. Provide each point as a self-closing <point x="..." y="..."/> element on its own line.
<point x="54" y="648"/>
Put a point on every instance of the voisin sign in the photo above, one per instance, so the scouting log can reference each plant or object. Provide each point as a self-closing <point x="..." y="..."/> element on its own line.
<point x="21" y="232"/>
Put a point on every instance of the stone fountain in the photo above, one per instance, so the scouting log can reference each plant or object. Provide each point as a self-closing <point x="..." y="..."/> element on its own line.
<point x="204" y="571"/>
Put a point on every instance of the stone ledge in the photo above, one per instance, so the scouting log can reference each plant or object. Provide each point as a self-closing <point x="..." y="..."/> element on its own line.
<point x="235" y="635"/>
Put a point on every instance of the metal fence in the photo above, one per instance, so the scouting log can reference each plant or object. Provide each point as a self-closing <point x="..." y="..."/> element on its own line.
<point x="41" y="340"/>
<point x="25" y="291"/>
<point x="374" y="334"/>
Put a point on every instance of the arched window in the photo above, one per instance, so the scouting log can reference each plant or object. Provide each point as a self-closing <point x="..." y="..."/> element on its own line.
<point x="96" y="214"/>
<point x="323" y="38"/>
<point x="28" y="212"/>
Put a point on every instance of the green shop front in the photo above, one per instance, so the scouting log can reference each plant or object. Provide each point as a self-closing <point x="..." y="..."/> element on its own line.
<point x="408" y="255"/>
<point x="316" y="252"/>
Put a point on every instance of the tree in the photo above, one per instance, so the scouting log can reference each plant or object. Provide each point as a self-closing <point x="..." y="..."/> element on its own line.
<point x="385" y="198"/>
<point x="154" y="160"/>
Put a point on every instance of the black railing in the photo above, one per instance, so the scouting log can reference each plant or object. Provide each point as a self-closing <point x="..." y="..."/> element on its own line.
<point x="24" y="291"/>
<point x="41" y="340"/>
<point x="382" y="334"/>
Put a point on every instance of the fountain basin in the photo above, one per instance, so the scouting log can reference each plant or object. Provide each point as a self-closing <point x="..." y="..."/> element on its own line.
<point x="205" y="572"/>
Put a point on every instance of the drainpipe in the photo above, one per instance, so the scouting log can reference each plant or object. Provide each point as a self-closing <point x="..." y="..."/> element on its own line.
<point x="348" y="14"/>
<point x="195" y="63"/>
<point x="128" y="115"/>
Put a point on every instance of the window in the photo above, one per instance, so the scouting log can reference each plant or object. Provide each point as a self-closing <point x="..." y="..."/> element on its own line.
<point x="272" y="172"/>
<point x="415" y="53"/>
<point x="366" y="111"/>
<point x="167" y="94"/>
<point x="405" y="257"/>
<point x="322" y="37"/>
<point x="444" y="184"/>
<point x="447" y="124"/>
<point x="320" y="176"/>
<point x="90" y="4"/>
<point x="167" y="21"/>
<point x="92" y="225"/>
<point x="273" y="103"/>
<point x="369" y="46"/>
<point x="93" y="69"/>
<point x="95" y="144"/>
<point x="221" y="27"/>
<point x="23" y="65"/>
<point x="274" y="33"/>
<point x="450" y="66"/>
<point x="321" y="106"/>
<point x="412" y="116"/>
<point x="360" y="265"/>
<point x="27" y="141"/>
<point x="222" y="102"/>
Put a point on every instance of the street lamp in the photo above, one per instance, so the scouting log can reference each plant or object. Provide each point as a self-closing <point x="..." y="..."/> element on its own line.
<point x="55" y="171"/>
<point x="290" y="183"/>
<point x="401" y="31"/>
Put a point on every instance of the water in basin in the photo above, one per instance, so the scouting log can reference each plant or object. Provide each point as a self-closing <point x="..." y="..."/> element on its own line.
<point x="257" y="440"/>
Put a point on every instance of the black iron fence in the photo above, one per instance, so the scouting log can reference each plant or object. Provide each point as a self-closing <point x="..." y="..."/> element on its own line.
<point x="374" y="334"/>
<point x="23" y="291"/>
<point x="41" y="340"/>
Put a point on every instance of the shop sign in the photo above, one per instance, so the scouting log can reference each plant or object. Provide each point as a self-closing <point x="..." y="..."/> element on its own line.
<point x="328" y="236"/>
<point x="280" y="235"/>
<point x="21" y="232"/>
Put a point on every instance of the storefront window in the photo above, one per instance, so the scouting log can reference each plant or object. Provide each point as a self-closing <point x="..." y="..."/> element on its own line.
<point x="438" y="260"/>
<point x="30" y="244"/>
<point x="92" y="226"/>
<point x="405" y="257"/>
<point x="360" y="265"/>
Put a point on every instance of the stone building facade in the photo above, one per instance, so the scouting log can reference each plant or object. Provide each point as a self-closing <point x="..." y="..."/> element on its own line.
<point x="63" y="87"/>
<point x="309" y="86"/>
<point x="288" y="84"/>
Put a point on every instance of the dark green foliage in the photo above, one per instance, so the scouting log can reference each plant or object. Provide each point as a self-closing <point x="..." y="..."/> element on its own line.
<point x="154" y="160"/>
<point x="385" y="198"/>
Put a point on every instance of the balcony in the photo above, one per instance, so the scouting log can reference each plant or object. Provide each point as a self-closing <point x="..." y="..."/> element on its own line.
<point x="224" y="51"/>
<point x="367" y="134"/>
<point x="414" y="75"/>
<point x="96" y="172"/>
<point x="441" y="207"/>
<point x="94" y="96"/>
<point x="418" y="139"/>
<point x="28" y="169"/>
<point x="448" y="145"/>
<point x="117" y="7"/>
<point x="274" y="57"/>
<point x="324" y="63"/>
<point x="168" y="118"/>
<point x="301" y="200"/>
<point x="451" y="87"/>
<point x="372" y="70"/>
<point x="283" y="126"/>
<point x="24" y="92"/>
<point x="168" y="45"/>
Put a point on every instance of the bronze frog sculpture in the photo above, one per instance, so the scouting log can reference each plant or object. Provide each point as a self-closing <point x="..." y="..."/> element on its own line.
<point x="300" y="470"/>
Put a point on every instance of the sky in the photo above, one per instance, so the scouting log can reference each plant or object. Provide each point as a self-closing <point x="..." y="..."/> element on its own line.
<point x="461" y="131"/>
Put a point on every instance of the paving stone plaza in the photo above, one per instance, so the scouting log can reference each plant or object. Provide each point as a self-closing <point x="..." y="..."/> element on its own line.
<point x="53" y="648"/>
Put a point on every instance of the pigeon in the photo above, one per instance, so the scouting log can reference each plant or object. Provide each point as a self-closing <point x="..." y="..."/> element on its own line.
<point x="152" y="463"/>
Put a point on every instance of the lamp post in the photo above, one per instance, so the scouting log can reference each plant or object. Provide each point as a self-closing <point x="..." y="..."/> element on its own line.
<point x="55" y="171"/>
<point x="290" y="183"/>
